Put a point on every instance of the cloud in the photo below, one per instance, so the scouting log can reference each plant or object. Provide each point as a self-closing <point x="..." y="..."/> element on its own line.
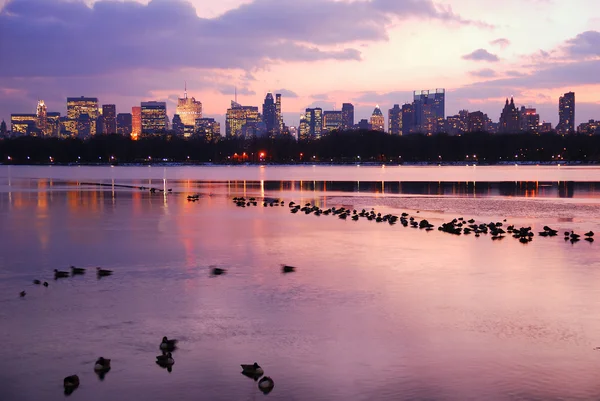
<point x="501" y="42"/>
<point x="484" y="73"/>
<point x="586" y="44"/>
<point x="168" y="34"/>
<point x="481" y="55"/>
<point x="286" y="93"/>
<point x="513" y="73"/>
<point x="232" y="90"/>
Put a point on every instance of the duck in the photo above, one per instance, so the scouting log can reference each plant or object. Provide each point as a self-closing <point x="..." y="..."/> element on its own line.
<point x="60" y="274"/>
<point x="71" y="382"/>
<point x="252" y="370"/>
<point x="37" y="282"/>
<point x="288" y="269"/>
<point x="217" y="271"/>
<point x="266" y="384"/>
<point x="589" y="234"/>
<point x="165" y="360"/>
<point x="102" y="365"/>
<point x="22" y="294"/>
<point x="45" y="284"/>
<point x="103" y="272"/>
<point x="168" y="345"/>
<point x="77" y="270"/>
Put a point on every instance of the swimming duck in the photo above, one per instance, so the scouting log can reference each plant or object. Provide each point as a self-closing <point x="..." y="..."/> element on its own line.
<point x="167" y="345"/>
<point x="71" y="382"/>
<point x="266" y="384"/>
<point x="45" y="284"/>
<point x="165" y="360"/>
<point x="60" y="274"/>
<point x="589" y="234"/>
<point x="37" y="282"/>
<point x="217" y="271"/>
<point x="22" y="294"/>
<point x="103" y="272"/>
<point x="77" y="270"/>
<point x="102" y="365"/>
<point x="252" y="370"/>
<point x="288" y="269"/>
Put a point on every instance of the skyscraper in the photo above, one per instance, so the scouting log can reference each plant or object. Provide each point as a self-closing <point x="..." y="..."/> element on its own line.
<point x="52" y="124"/>
<point x="332" y="120"/>
<point x="3" y="128"/>
<point x="510" y="119"/>
<point x="136" y="122"/>
<point x="395" y="120"/>
<point x="347" y="116"/>
<point x="76" y="106"/>
<point x="279" y="115"/>
<point x="124" y="124"/>
<point x="23" y="124"/>
<point x="530" y="119"/>
<point x="270" y="115"/>
<point x="408" y="119"/>
<point x="303" y="128"/>
<point x="154" y="117"/>
<point x="208" y="128"/>
<point x="429" y="108"/>
<point x="188" y="109"/>
<point x="238" y="116"/>
<point x="566" y="114"/>
<point x="314" y="119"/>
<point x="178" y="126"/>
<point x="476" y="122"/>
<point x="42" y="117"/>
<point x="109" y="117"/>
<point x="377" y="120"/>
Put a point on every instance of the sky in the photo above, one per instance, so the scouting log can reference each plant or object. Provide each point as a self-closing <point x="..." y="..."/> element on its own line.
<point x="317" y="53"/>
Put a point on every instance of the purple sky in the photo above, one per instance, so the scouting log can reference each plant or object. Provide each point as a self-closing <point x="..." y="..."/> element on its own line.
<point x="315" y="52"/>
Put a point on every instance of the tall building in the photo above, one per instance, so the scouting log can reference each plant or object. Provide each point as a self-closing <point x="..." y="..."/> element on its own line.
<point x="429" y="109"/>
<point x="42" y="117"/>
<point x="395" y="120"/>
<point x="314" y="119"/>
<point x="76" y="106"/>
<point x="84" y="125"/>
<point x="303" y="128"/>
<point x="23" y="124"/>
<point x="279" y="115"/>
<point x="364" y="125"/>
<point x="566" y="114"/>
<point x="154" y="117"/>
<point x="178" y="126"/>
<point x="124" y="124"/>
<point x="510" y="119"/>
<point x="238" y="116"/>
<point x="377" y="120"/>
<point x="530" y="119"/>
<point x="270" y="114"/>
<point x="52" y="124"/>
<point x="592" y="127"/>
<point x="347" y="116"/>
<point x="477" y="122"/>
<point x="408" y="119"/>
<point x="188" y="109"/>
<point x="3" y="129"/>
<point x="136" y="122"/>
<point x="332" y="120"/>
<point x="208" y="128"/>
<point x="109" y="117"/>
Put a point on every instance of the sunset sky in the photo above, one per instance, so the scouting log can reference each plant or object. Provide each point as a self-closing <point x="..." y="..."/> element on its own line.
<point x="314" y="52"/>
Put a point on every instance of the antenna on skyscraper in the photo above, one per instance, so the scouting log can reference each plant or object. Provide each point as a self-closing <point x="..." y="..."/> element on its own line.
<point x="235" y="94"/>
<point x="185" y="90"/>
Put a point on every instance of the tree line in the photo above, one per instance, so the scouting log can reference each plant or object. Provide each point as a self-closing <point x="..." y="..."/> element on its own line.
<point x="336" y="147"/>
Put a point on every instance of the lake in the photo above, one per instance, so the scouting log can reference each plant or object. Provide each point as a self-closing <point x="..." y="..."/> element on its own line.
<point x="373" y="311"/>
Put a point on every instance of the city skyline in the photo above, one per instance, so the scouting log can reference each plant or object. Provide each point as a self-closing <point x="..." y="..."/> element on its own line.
<point x="488" y="53"/>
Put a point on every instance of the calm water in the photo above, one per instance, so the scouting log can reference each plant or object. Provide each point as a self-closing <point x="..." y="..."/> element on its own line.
<point x="373" y="312"/>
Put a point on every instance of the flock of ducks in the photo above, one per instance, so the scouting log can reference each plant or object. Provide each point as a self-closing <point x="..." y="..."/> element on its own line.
<point x="102" y="365"/>
<point x="458" y="226"/>
<point x="75" y="271"/>
<point x="167" y="346"/>
<point x="166" y="361"/>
